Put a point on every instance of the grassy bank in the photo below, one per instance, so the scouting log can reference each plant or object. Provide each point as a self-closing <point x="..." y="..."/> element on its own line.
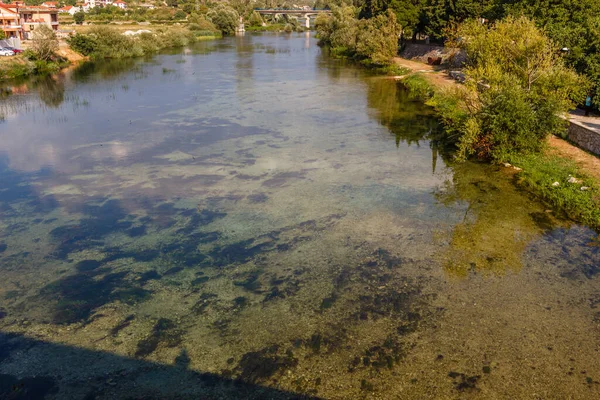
<point x="99" y="42"/>
<point x="23" y="65"/>
<point x="557" y="180"/>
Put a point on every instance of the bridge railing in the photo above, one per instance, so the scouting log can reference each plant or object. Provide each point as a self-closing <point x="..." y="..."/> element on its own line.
<point x="288" y="9"/>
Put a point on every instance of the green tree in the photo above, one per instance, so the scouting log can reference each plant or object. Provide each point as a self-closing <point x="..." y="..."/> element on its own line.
<point x="79" y="17"/>
<point x="372" y="8"/>
<point x="407" y="13"/>
<point x="573" y="25"/>
<point x="378" y="38"/>
<point x="437" y="16"/>
<point x="255" y="19"/>
<point x="516" y="91"/>
<point x="2" y="35"/>
<point x="82" y="43"/>
<point x="243" y="7"/>
<point x="342" y="29"/>
<point x="225" y="18"/>
<point x="200" y="23"/>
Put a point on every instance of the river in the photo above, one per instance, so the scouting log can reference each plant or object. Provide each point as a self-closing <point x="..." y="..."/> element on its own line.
<point x="250" y="218"/>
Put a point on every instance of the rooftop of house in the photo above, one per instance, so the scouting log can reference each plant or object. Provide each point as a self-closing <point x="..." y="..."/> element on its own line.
<point x="37" y="9"/>
<point x="3" y="7"/>
<point x="22" y="7"/>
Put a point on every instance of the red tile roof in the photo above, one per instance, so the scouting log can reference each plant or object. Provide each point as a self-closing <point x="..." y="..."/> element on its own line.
<point x="7" y="8"/>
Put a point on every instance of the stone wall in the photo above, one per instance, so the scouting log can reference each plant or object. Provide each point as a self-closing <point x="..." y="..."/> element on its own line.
<point x="421" y="52"/>
<point x="584" y="137"/>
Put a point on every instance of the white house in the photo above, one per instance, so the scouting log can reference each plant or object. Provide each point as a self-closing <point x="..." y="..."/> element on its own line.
<point x="69" y="9"/>
<point x="121" y="4"/>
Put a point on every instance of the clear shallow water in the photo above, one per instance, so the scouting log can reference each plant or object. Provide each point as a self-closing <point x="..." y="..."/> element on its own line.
<point x="251" y="219"/>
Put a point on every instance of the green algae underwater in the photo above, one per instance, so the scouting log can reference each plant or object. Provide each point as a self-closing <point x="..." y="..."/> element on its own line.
<point x="265" y="222"/>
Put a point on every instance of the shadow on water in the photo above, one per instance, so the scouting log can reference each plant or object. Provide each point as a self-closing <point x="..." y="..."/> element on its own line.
<point x="407" y="118"/>
<point x="51" y="90"/>
<point x="54" y="371"/>
<point x="105" y="69"/>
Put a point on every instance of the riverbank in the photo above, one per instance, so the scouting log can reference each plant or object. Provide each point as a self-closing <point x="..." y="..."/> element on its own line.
<point x="21" y="66"/>
<point x="566" y="177"/>
<point x="108" y="42"/>
<point x="101" y="41"/>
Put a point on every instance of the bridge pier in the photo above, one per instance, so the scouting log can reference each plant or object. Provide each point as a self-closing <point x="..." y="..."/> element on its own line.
<point x="307" y="24"/>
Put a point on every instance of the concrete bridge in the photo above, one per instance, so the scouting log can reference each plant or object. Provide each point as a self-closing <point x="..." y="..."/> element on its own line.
<point x="300" y="13"/>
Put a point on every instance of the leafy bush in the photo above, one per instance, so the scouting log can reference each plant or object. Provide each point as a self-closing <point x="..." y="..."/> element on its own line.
<point x="179" y="14"/>
<point x="373" y="40"/>
<point x="339" y="29"/>
<point x="200" y="23"/>
<point x="515" y="94"/>
<point x="418" y="86"/>
<point x="82" y="44"/>
<point x="16" y="67"/>
<point x="225" y="18"/>
<point x="378" y="38"/>
<point x="107" y="42"/>
<point x="79" y="17"/>
<point x="255" y="19"/>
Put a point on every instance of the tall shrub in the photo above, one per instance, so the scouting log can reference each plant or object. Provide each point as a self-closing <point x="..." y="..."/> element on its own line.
<point x="225" y="18"/>
<point x="255" y="19"/>
<point x="516" y="91"/>
<point x="44" y="43"/>
<point x="377" y="39"/>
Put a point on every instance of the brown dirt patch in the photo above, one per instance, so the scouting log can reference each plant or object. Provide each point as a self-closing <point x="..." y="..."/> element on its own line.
<point x="588" y="163"/>
<point x="435" y="75"/>
<point x="66" y="52"/>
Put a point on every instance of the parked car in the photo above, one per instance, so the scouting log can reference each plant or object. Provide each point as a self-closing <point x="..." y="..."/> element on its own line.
<point x="6" y="52"/>
<point x="16" y="51"/>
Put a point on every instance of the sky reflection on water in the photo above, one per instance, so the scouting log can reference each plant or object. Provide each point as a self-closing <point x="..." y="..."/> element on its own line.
<point x="251" y="209"/>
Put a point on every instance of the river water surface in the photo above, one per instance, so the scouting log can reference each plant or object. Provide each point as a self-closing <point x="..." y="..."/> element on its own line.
<point x="248" y="218"/>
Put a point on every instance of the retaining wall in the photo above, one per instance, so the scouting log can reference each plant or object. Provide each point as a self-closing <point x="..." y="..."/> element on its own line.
<point x="11" y="42"/>
<point x="584" y="137"/>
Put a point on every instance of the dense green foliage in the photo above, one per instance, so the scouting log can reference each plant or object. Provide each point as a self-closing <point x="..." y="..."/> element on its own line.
<point x="255" y="19"/>
<point x="107" y="42"/>
<point x="378" y="38"/>
<point x="15" y="67"/>
<point x="516" y="91"/>
<point x="518" y="88"/>
<point x="225" y="18"/>
<point x="572" y="25"/>
<point x="373" y="40"/>
<point x="201" y="26"/>
<point x="79" y="17"/>
<point x="40" y="59"/>
<point x="538" y="171"/>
